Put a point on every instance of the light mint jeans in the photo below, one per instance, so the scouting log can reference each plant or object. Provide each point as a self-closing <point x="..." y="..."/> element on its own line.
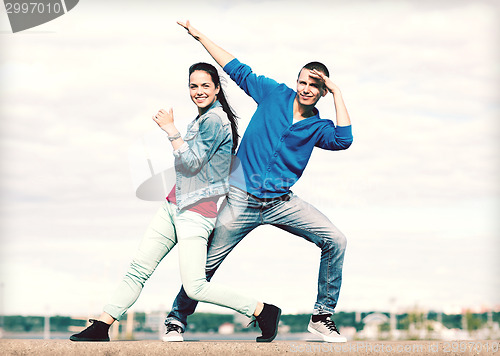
<point x="190" y="231"/>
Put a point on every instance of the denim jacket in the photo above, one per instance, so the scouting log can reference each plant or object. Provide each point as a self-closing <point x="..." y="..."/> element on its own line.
<point x="203" y="162"/>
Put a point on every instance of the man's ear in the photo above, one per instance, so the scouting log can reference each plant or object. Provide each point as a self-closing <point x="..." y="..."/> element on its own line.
<point x="325" y="91"/>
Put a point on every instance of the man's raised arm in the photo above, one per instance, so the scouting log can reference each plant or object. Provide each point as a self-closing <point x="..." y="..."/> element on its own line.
<point x="221" y="56"/>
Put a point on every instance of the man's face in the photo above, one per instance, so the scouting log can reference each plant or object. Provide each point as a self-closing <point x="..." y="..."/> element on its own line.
<point x="309" y="89"/>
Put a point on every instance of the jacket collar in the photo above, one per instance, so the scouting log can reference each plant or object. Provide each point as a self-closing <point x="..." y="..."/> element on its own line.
<point x="216" y="104"/>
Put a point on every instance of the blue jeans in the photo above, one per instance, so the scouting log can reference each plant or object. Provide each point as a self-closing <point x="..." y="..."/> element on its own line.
<point x="241" y="213"/>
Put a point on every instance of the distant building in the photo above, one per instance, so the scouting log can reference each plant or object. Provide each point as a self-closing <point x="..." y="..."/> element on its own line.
<point x="348" y="331"/>
<point x="226" y="329"/>
<point x="372" y="323"/>
<point x="154" y="321"/>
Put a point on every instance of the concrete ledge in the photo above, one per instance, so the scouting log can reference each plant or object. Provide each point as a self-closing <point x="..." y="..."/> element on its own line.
<point x="217" y="348"/>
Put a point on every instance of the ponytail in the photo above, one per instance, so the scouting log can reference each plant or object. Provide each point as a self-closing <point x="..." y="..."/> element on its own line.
<point x="231" y="116"/>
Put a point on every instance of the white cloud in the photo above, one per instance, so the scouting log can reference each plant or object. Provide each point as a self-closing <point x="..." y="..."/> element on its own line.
<point x="420" y="85"/>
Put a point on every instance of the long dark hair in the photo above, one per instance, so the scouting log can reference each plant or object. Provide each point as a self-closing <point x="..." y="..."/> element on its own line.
<point x="210" y="69"/>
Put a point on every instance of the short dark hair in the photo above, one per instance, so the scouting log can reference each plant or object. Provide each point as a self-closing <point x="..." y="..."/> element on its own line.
<point x="318" y="66"/>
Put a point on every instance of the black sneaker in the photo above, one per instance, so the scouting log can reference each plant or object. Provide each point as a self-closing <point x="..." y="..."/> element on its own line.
<point x="98" y="331"/>
<point x="268" y="321"/>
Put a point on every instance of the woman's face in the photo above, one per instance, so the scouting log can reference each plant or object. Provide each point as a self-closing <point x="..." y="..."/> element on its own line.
<point x="202" y="90"/>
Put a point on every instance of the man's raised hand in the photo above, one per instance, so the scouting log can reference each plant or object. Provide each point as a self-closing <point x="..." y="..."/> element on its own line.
<point x="190" y="29"/>
<point x="327" y="82"/>
<point x="220" y="55"/>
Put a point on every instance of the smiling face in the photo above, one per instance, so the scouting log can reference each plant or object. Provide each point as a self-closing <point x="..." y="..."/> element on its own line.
<point x="202" y="90"/>
<point x="309" y="89"/>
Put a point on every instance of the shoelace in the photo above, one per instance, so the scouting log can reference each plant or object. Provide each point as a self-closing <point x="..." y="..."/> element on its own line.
<point x="330" y="324"/>
<point x="173" y="327"/>
<point x="262" y="324"/>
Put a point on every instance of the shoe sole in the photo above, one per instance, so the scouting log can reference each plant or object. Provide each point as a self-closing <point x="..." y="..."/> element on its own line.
<point x="275" y="330"/>
<point x="325" y="338"/>
<point x="87" y="340"/>
<point x="173" y="338"/>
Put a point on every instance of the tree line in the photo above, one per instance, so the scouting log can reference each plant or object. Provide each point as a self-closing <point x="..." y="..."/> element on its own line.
<point x="209" y="322"/>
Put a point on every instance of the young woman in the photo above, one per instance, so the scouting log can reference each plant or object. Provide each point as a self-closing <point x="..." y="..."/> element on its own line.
<point x="202" y="164"/>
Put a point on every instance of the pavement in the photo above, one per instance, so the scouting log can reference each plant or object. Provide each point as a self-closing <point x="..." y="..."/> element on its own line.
<point x="216" y="348"/>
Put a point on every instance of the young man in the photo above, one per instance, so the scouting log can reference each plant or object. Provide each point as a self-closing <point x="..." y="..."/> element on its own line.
<point x="273" y="153"/>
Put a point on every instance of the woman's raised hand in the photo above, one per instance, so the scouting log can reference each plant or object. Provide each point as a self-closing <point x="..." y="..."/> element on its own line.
<point x="165" y="119"/>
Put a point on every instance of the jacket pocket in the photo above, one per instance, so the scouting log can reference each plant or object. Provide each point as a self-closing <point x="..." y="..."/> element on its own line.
<point x="193" y="130"/>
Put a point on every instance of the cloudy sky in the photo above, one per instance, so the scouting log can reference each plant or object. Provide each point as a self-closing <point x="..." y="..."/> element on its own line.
<point x="417" y="193"/>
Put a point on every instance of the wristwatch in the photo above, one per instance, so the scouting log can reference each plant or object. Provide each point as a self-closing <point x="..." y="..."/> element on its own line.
<point x="174" y="137"/>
